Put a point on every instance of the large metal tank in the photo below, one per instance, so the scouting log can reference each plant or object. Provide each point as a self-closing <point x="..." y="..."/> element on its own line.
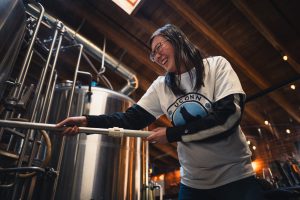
<point x="97" y="166"/>
<point x="12" y="26"/>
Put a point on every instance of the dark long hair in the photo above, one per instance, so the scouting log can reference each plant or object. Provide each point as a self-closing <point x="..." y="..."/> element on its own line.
<point x="186" y="54"/>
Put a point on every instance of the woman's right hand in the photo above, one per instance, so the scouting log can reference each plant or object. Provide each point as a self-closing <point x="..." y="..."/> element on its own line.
<point x="72" y="124"/>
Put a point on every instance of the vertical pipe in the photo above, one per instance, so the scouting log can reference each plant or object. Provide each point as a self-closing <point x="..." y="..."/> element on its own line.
<point x="37" y="138"/>
<point x="68" y="114"/>
<point x="147" y="170"/>
<point x="51" y="97"/>
<point x="17" y="92"/>
<point x="18" y="89"/>
<point x="59" y="26"/>
<point x="42" y="79"/>
<point x="103" y="55"/>
<point x="22" y="75"/>
<point x="39" y="151"/>
<point x="35" y="102"/>
<point x="74" y="79"/>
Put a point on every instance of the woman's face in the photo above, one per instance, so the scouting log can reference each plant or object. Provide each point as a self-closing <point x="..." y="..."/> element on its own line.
<point x="162" y="52"/>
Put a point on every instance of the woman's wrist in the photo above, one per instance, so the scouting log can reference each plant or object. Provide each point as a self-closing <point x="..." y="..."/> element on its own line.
<point x="83" y="120"/>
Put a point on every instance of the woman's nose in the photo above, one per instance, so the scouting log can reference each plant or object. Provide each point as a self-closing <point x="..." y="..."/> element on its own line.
<point x="157" y="57"/>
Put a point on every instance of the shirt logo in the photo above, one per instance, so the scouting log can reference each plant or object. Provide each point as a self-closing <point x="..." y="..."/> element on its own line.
<point x="189" y="107"/>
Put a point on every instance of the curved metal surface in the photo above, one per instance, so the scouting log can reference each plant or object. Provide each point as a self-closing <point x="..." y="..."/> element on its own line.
<point x="12" y="26"/>
<point x="97" y="166"/>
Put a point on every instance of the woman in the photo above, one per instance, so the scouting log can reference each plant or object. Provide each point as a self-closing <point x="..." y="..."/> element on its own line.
<point x="204" y="100"/>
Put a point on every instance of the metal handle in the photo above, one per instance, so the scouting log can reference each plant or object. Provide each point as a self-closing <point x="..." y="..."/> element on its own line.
<point x="87" y="130"/>
<point x="155" y="186"/>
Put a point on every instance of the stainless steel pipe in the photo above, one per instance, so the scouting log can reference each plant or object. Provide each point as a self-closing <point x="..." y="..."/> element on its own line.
<point x="97" y="53"/>
<point x="60" y="27"/>
<point x="116" y="132"/>
<point x="27" y="59"/>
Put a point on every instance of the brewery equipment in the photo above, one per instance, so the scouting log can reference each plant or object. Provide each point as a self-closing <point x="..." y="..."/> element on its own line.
<point x="97" y="166"/>
<point x="43" y="165"/>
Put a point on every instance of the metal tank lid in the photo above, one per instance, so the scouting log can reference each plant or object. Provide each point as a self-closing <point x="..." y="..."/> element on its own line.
<point x="68" y="84"/>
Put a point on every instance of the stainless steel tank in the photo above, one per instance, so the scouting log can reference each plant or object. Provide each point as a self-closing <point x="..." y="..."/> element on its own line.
<point x="97" y="166"/>
<point x="12" y="27"/>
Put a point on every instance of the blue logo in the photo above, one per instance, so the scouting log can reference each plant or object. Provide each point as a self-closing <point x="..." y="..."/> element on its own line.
<point x="188" y="108"/>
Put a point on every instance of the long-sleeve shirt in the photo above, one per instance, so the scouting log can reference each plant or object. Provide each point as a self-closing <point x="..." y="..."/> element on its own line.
<point x="212" y="148"/>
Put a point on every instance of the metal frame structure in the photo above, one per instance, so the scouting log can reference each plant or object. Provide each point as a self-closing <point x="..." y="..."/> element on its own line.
<point x="41" y="102"/>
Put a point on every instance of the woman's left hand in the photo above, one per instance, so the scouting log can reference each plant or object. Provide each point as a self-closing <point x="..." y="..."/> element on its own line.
<point x="158" y="136"/>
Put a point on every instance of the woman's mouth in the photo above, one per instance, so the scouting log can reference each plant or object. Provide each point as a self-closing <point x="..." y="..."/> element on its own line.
<point x="164" y="61"/>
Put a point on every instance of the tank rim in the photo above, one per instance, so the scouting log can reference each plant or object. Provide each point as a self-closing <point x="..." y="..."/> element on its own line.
<point x="68" y="85"/>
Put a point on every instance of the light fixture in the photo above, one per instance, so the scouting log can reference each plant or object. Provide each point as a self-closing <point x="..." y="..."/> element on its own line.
<point x="161" y="177"/>
<point x="285" y="57"/>
<point x="248" y="142"/>
<point x="257" y="165"/>
<point x="267" y="122"/>
<point x="259" y="130"/>
<point x="127" y="5"/>
<point x="293" y="87"/>
<point x="288" y="131"/>
<point x="254" y="147"/>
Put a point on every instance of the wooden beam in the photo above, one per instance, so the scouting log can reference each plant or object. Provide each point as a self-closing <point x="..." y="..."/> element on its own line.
<point x="269" y="36"/>
<point x="253" y="114"/>
<point x="199" y="24"/>
<point x="113" y="33"/>
<point x="148" y="25"/>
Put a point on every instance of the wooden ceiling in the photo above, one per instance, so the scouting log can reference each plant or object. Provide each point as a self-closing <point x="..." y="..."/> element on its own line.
<point x="252" y="36"/>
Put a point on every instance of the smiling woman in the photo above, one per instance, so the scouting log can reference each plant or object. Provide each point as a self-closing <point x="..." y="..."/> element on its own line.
<point x="221" y="168"/>
<point x="178" y="56"/>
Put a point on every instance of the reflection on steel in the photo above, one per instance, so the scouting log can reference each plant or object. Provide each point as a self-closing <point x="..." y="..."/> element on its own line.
<point x="114" y="132"/>
<point x="97" y="53"/>
<point x="98" y="166"/>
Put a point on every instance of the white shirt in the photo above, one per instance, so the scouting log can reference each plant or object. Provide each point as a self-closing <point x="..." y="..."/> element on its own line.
<point x="204" y="165"/>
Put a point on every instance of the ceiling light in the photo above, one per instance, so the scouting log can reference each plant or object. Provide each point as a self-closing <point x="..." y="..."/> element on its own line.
<point x="127" y="5"/>
<point x="285" y="57"/>
<point x="259" y="130"/>
<point x="254" y="147"/>
<point x="266" y="122"/>
<point x="161" y="177"/>
<point x="293" y="87"/>
<point x="288" y="131"/>
<point x="248" y="142"/>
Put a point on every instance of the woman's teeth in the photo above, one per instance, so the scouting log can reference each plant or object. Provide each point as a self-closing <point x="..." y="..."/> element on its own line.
<point x="164" y="61"/>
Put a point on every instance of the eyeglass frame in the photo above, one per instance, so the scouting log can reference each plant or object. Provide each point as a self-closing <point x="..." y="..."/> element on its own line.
<point x="156" y="50"/>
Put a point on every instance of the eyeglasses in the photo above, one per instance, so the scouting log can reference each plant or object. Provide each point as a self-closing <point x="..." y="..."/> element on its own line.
<point x="156" y="50"/>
